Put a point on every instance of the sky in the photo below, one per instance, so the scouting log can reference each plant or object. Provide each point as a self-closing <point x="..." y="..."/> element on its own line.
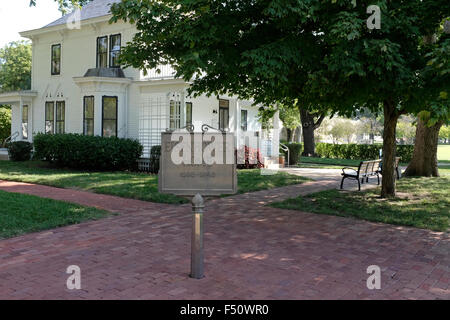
<point x="17" y="16"/>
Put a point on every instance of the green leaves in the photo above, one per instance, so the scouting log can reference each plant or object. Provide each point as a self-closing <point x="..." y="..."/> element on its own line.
<point x="318" y="52"/>
<point x="15" y="67"/>
<point x="65" y="5"/>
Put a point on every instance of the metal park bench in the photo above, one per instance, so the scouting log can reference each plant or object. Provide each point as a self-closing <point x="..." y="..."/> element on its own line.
<point x="397" y="169"/>
<point x="365" y="170"/>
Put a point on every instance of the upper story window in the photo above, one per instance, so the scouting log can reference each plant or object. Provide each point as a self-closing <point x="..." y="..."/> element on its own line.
<point x="244" y="120"/>
<point x="224" y="114"/>
<point x="114" y="46"/>
<point x="114" y="50"/>
<point x="102" y="52"/>
<point x="175" y="114"/>
<point x="56" y="59"/>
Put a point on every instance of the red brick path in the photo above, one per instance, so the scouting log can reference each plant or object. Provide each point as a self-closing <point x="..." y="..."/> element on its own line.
<point x="252" y="252"/>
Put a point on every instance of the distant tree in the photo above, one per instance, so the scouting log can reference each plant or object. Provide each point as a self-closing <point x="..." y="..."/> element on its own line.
<point x="406" y="131"/>
<point x="343" y="129"/>
<point x="444" y="134"/>
<point x="291" y="120"/>
<point x="15" y="66"/>
<point x="370" y="124"/>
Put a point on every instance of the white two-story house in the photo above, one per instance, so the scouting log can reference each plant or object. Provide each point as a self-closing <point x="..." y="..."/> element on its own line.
<point x="79" y="87"/>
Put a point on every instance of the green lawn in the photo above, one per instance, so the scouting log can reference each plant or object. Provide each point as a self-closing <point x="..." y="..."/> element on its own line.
<point x="326" y="163"/>
<point x="421" y="202"/>
<point x="252" y="180"/>
<point x="125" y="184"/>
<point x="21" y="214"/>
<point x="444" y="154"/>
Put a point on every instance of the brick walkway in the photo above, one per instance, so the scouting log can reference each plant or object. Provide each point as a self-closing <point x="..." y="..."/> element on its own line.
<point x="252" y="252"/>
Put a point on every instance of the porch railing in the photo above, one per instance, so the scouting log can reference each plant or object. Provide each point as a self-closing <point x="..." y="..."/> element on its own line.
<point x="12" y="137"/>
<point x="285" y="149"/>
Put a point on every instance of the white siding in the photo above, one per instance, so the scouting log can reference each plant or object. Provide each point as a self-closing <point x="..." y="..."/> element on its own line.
<point x="78" y="54"/>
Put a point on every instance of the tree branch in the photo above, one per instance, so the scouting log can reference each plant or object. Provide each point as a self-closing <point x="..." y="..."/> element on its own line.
<point x="319" y="121"/>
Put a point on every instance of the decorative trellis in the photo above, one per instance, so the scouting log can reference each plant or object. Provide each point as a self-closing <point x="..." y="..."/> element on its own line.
<point x="154" y="118"/>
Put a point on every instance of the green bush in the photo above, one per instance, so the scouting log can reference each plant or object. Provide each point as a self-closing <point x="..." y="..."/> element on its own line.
<point x="88" y="152"/>
<point x="360" y="151"/>
<point x="5" y="123"/>
<point x="295" y="151"/>
<point x="20" y="151"/>
<point x="405" y="152"/>
<point x="155" y="155"/>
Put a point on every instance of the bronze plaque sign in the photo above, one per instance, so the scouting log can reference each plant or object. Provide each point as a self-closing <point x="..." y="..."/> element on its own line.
<point x="197" y="163"/>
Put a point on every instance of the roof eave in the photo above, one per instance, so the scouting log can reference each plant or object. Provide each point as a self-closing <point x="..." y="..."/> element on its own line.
<point x="32" y="33"/>
<point x="17" y="96"/>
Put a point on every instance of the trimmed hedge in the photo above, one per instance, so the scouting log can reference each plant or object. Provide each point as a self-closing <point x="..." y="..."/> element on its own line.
<point x="88" y="152"/>
<point x="20" y="151"/>
<point x="360" y="151"/>
<point x="295" y="152"/>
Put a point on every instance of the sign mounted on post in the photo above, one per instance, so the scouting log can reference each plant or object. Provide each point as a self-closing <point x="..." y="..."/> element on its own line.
<point x="197" y="163"/>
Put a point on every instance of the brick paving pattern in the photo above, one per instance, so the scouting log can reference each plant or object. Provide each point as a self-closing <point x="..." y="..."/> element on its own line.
<point x="251" y="252"/>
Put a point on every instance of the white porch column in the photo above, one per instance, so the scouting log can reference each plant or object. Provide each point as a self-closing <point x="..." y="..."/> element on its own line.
<point x="21" y="119"/>
<point x="30" y="122"/>
<point x="276" y="135"/>
<point x="237" y="128"/>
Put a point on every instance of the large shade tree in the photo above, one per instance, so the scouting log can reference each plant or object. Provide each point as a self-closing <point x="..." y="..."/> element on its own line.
<point x="320" y="52"/>
<point x="424" y="161"/>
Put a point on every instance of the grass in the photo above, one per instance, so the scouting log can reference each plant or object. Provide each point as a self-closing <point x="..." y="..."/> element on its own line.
<point x="20" y="214"/>
<point x="421" y="202"/>
<point x="326" y="163"/>
<point x="252" y="180"/>
<point x="444" y="155"/>
<point x="126" y="184"/>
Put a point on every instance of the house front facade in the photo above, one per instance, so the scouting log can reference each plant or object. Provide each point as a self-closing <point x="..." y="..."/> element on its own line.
<point x="79" y="87"/>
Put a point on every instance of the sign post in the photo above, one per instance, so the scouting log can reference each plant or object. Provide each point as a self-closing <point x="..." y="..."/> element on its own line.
<point x="197" y="165"/>
<point x="197" y="237"/>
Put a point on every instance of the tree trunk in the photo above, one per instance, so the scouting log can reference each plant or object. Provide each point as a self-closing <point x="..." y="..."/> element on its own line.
<point x="288" y="135"/>
<point x="309" y="144"/>
<point x="391" y="115"/>
<point x="424" y="162"/>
